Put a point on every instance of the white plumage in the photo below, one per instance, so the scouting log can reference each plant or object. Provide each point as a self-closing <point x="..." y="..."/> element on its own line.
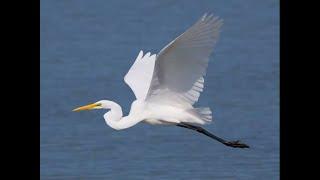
<point x="168" y="84"/>
<point x="140" y="74"/>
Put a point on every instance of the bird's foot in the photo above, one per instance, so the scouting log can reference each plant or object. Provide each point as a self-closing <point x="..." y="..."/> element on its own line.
<point x="236" y="144"/>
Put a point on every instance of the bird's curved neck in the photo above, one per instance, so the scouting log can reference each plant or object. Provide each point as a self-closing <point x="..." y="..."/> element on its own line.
<point x="114" y="118"/>
<point x="114" y="115"/>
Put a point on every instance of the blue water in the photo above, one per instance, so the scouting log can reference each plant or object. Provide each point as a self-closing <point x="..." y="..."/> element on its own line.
<point x="87" y="48"/>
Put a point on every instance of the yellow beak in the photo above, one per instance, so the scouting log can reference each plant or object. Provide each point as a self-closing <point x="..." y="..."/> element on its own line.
<point x="87" y="107"/>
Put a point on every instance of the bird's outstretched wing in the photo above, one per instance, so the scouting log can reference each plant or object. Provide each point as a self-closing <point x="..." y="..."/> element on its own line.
<point x="181" y="65"/>
<point x="140" y="74"/>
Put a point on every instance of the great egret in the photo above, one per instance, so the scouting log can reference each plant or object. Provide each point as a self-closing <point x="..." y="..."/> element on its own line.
<point x="168" y="84"/>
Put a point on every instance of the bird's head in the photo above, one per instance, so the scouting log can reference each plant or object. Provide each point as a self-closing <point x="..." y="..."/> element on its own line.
<point x="103" y="104"/>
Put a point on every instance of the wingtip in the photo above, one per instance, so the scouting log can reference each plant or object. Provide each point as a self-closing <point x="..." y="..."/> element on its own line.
<point x="209" y="16"/>
<point x="153" y="56"/>
<point x="204" y="16"/>
<point x="147" y="54"/>
<point x="140" y="55"/>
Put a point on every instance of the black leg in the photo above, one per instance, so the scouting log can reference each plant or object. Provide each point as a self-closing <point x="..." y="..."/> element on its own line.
<point x="235" y="144"/>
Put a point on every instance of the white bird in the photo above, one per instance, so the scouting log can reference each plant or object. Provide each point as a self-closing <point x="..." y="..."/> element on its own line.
<point x="168" y="84"/>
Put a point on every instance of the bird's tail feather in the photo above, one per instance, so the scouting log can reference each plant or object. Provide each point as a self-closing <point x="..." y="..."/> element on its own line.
<point x="204" y="113"/>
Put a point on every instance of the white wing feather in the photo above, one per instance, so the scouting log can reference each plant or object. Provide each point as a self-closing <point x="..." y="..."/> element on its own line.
<point x="181" y="65"/>
<point x="140" y="74"/>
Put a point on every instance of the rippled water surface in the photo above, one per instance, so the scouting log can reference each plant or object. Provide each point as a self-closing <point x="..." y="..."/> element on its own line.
<point x="87" y="48"/>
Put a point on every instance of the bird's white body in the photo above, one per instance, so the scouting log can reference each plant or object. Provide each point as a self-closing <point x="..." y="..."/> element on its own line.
<point x="151" y="113"/>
